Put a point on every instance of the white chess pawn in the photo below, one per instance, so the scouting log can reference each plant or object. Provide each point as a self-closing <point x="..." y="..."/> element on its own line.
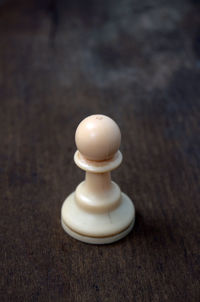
<point x="98" y="212"/>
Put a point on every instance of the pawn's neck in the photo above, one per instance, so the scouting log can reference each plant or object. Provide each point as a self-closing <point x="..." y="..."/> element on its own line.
<point x="98" y="194"/>
<point x="97" y="182"/>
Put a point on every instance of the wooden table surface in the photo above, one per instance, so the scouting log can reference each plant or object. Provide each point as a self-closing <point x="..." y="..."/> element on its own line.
<point x="139" y="63"/>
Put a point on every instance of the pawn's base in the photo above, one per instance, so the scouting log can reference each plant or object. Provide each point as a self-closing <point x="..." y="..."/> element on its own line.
<point x="98" y="228"/>
<point x="97" y="240"/>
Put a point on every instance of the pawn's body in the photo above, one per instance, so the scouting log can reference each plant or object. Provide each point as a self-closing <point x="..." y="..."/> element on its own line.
<point x="98" y="212"/>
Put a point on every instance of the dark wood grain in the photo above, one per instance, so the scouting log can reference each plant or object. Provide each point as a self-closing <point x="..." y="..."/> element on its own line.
<point x="138" y="62"/>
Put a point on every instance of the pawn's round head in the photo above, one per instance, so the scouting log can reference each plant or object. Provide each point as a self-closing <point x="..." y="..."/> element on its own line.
<point x="98" y="137"/>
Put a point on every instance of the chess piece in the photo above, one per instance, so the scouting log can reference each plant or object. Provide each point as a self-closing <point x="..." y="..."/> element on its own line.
<point x="98" y="212"/>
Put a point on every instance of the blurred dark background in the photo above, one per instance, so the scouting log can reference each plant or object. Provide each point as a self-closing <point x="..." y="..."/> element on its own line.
<point x="139" y="63"/>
